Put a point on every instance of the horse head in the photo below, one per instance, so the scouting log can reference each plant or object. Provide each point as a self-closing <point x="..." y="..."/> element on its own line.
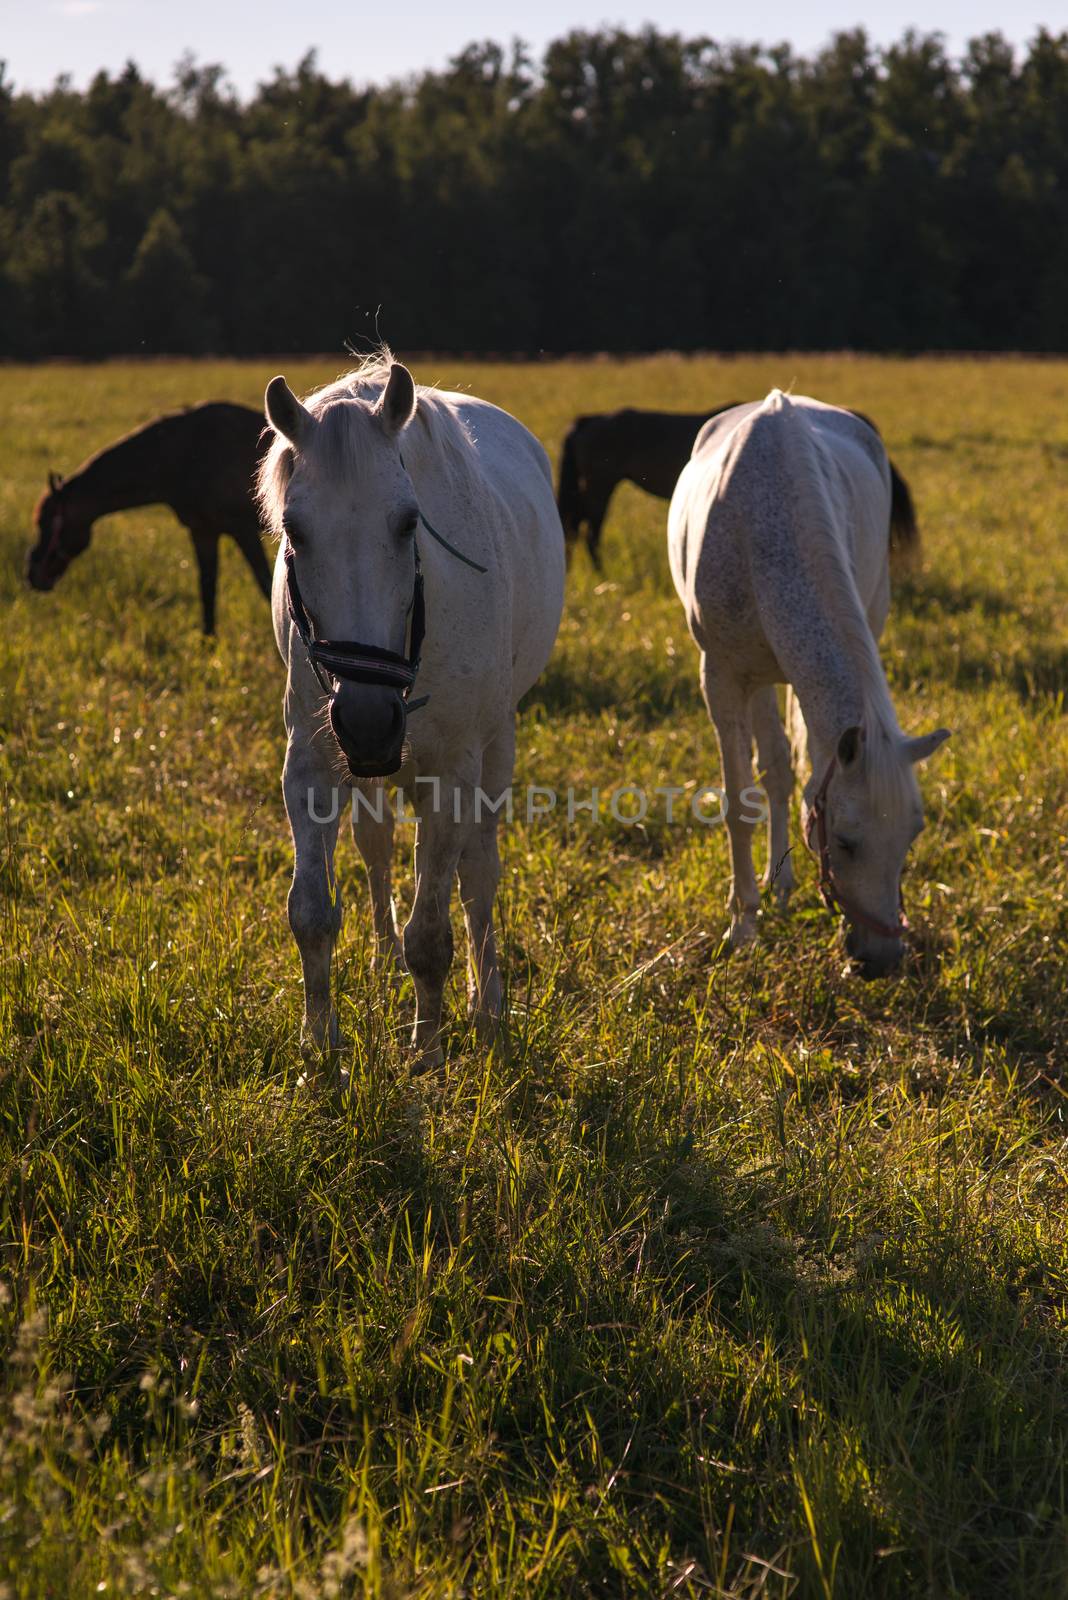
<point x="862" y="820"/>
<point x="62" y="534"/>
<point x="345" y="506"/>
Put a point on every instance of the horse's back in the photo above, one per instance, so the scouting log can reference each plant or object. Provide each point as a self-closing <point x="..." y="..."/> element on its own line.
<point x="205" y="457"/>
<point x="227" y="442"/>
<point x="766" y="479"/>
<point x="767" y="455"/>
<point x="527" y="533"/>
<point x="649" y="448"/>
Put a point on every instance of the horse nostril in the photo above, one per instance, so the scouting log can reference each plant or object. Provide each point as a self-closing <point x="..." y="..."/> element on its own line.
<point x="869" y="969"/>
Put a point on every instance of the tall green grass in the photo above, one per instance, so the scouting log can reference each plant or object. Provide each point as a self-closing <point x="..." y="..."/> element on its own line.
<point x="719" y="1276"/>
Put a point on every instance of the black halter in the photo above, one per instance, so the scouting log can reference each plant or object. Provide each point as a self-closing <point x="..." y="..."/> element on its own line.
<point x="368" y="663"/>
<point x="360" y="663"/>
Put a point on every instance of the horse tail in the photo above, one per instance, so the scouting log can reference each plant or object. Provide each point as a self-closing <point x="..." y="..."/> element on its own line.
<point x="569" y="502"/>
<point x="904" y="529"/>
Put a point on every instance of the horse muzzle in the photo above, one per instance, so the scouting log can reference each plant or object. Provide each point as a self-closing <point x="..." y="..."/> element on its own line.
<point x="44" y="572"/>
<point x="873" y="958"/>
<point x="369" y="725"/>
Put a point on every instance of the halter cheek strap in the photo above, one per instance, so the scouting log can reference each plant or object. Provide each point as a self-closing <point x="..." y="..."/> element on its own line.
<point x="351" y="660"/>
<point x="830" y="892"/>
<point x="368" y="663"/>
<point x="55" y="534"/>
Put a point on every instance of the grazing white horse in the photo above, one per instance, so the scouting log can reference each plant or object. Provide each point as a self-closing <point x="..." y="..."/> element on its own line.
<point x="779" y="533"/>
<point x="397" y="505"/>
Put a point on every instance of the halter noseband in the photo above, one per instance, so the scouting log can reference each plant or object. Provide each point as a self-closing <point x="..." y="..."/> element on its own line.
<point x="830" y="893"/>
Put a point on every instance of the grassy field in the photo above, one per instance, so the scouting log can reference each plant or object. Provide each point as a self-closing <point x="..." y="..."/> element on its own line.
<point x="723" y="1277"/>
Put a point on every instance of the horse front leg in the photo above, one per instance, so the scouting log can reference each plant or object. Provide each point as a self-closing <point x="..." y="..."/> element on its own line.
<point x="206" y="549"/>
<point x="251" y="546"/>
<point x="778" y="774"/>
<point x="428" y="943"/>
<point x="597" y="496"/>
<point x="313" y="806"/>
<point x="729" y="711"/>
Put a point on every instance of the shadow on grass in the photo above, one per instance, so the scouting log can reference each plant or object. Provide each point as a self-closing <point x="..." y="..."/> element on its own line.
<point x="1041" y="674"/>
<point x="1031" y="664"/>
<point x="639" y="688"/>
<point x="928" y="595"/>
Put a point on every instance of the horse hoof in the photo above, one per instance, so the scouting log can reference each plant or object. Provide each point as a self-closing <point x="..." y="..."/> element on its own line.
<point x="743" y="932"/>
<point x="489" y="1028"/>
<point x="390" y="972"/>
<point x="487" y="1020"/>
<point x="431" y="1059"/>
<point x="319" y="1055"/>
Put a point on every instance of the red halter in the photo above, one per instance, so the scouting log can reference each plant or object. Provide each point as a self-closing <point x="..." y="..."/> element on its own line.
<point x="830" y="893"/>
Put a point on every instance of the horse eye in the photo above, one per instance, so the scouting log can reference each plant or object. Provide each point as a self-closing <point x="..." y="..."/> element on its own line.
<point x="848" y="847"/>
<point x="293" y="532"/>
<point x="408" y="525"/>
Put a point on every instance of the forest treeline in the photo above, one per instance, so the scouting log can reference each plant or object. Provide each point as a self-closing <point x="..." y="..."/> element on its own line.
<point x="626" y="192"/>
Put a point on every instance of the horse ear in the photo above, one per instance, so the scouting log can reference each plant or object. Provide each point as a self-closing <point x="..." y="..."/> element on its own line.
<point x="55" y="482"/>
<point x="397" y="402"/>
<point x="286" y="414"/>
<point x="849" y="746"/>
<point x="926" y="745"/>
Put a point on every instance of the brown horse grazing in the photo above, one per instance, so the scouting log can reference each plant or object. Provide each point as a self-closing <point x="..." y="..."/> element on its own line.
<point x="648" y="448"/>
<point x="200" y="462"/>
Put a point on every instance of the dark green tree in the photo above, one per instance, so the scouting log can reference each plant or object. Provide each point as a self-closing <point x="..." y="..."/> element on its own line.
<point x="165" y="298"/>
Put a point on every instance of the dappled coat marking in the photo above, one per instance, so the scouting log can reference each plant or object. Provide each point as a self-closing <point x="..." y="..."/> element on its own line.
<point x="779" y="535"/>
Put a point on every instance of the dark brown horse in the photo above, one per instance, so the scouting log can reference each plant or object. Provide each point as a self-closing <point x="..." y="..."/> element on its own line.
<point x="648" y="448"/>
<point x="200" y="462"/>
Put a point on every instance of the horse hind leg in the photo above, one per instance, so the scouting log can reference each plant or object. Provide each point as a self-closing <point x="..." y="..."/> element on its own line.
<point x="778" y="776"/>
<point x="372" y="831"/>
<point x="728" y="708"/>
<point x="596" y="494"/>
<point x="428" y="944"/>
<point x="480" y="871"/>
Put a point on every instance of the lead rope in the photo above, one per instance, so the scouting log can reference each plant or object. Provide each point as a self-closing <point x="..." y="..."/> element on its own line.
<point x="444" y="543"/>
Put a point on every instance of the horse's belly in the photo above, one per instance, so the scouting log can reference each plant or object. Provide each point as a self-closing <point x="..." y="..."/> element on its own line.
<point x="538" y="607"/>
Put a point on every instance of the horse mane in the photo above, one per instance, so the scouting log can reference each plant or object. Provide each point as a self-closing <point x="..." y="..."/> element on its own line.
<point x="343" y="448"/>
<point x="38" y="511"/>
<point x="890" y="777"/>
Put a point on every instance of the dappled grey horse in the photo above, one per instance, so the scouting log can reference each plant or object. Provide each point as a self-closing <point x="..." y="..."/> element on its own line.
<point x="779" y="534"/>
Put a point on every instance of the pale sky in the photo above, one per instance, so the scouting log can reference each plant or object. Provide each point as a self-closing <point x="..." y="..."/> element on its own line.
<point x="372" y="42"/>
